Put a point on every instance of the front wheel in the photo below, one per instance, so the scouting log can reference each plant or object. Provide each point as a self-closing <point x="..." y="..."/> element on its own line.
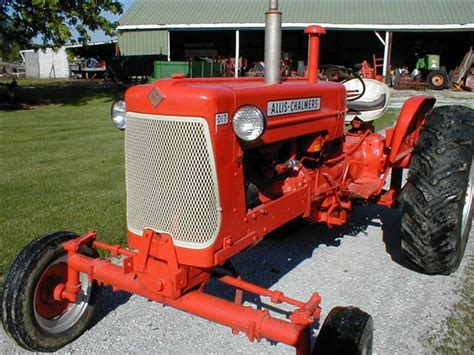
<point x="438" y="196"/>
<point x="345" y="331"/>
<point x="30" y="314"/>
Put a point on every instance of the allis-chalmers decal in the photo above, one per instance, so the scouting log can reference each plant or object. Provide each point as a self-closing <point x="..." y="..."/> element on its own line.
<point x="285" y="107"/>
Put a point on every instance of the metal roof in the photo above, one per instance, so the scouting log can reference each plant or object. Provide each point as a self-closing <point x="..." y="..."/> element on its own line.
<point x="358" y="14"/>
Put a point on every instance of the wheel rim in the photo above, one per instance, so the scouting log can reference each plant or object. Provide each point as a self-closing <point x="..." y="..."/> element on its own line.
<point x="466" y="212"/>
<point x="437" y="80"/>
<point x="57" y="316"/>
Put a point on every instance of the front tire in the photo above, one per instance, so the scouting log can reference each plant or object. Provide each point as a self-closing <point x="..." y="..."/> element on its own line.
<point x="30" y="315"/>
<point x="438" y="196"/>
<point x="345" y="331"/>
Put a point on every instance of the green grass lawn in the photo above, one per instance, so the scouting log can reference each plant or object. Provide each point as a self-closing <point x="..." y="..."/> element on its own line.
<point x="388" y="119"/>
<point x="62" y="167"/>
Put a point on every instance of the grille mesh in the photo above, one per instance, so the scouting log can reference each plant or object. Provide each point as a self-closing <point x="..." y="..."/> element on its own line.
<point x="171" y="179"/>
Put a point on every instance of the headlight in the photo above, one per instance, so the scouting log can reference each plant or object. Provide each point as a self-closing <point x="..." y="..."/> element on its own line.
<point x="249" y="123"/>
<point x="118" y="113"/>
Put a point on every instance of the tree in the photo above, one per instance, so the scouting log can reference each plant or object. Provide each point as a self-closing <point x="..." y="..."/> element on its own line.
<point x="52" y="21"/>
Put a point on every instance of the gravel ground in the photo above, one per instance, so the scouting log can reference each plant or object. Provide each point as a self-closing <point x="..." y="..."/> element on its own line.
<point x="444" y="97"/>
<point x="358" y="264"/>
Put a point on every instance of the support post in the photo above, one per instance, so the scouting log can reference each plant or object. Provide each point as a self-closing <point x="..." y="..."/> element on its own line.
<point x="380" y="38"/>
<point x="386" y="56"/>
<point x="237" y="53"/>
<point x="169" y="47"/>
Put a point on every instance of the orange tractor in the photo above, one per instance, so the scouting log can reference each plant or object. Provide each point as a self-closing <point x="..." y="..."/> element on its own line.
<point x="215" y="165"/>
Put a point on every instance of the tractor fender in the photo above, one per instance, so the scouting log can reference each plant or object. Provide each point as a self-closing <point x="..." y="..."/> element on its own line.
<point x="406" y="132"/>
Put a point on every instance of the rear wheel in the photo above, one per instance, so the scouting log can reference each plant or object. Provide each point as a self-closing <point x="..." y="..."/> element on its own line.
<point x="30" y="314"/>
<point x="437" y="80"/>
<point x="345" y="331"/>
<point x="437" y="199"/>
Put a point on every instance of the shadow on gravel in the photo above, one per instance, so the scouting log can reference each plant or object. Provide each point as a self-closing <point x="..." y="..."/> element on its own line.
<point x="391" y="221"/>
<point x="286" y="248"/>
<point x="109" y="301"/>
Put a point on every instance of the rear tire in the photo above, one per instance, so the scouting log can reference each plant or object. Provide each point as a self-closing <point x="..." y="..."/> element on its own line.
<point x="30" y="315"/>
<point x="345" y="331"/>
<point x="437" y="80"/>
<point x="438" y="196"/>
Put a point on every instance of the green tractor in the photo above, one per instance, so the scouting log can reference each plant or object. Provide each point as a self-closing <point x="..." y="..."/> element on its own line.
<point x="428" y="69"/>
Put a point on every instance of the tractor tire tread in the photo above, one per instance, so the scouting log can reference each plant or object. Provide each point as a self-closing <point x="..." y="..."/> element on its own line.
<point x="435" y="188"/>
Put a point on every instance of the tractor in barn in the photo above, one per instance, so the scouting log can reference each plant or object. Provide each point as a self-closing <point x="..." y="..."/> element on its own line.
<point x="427" y="74"/>
<point x="213" y="166"/>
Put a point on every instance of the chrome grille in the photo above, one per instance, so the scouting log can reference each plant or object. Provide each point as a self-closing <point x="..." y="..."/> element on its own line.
<point x="171" y="178"/>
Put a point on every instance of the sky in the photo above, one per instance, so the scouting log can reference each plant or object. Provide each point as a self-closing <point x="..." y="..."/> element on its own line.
<point x="101" y="36"/>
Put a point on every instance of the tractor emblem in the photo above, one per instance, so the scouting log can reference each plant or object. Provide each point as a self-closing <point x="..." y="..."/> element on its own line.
<point x="154" y="96"/>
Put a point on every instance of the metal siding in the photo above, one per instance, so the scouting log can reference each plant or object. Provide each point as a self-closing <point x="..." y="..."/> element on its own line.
<point x="143" y="42"/>
<point x="389" y="12"/>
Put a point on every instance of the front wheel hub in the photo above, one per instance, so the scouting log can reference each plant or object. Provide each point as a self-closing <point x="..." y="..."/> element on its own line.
<point x="46" y="305"/>
<point x="438" y="80"/>
<point x="51" y="314"/>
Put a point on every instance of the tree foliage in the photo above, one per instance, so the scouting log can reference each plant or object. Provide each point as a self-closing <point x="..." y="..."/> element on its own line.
<point x="53" y="21"/>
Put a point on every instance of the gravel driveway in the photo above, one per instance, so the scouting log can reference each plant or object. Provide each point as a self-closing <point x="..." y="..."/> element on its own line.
<point x="357" y="264"/>
<point x="443" y="97"/>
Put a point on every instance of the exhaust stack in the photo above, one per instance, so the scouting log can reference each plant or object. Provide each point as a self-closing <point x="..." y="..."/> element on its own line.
<point x="314" y="32"/>
<point x="273" y="44"/>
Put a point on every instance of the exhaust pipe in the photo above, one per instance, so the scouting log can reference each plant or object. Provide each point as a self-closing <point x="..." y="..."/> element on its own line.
<point x="273" y="44"/>
<point x="314" y="32"/>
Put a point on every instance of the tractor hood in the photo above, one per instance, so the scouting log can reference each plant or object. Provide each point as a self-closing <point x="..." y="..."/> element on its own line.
<point x="292" y="104"/>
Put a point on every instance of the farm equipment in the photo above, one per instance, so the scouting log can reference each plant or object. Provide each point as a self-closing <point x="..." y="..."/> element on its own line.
<point x="428" y="69"/>
<point x="213" y="166"/>
<point x="463" y="76"/>
<point x="371" y="71"/>
<point x="88" y="68"/>
<point x="428" y="74"/>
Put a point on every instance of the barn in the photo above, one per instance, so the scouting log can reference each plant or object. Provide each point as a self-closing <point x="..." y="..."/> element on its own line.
<point x="396" y="30"/>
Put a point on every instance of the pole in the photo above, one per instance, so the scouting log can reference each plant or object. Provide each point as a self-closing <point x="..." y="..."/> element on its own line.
<point x="380" y="38"/>
<point x="169" y="47"/>
<point x="386" y="56"/>
<point x="237" y="53"/>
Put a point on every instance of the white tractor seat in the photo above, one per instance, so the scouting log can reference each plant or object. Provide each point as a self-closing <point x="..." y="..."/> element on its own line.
<point x="372" y="104"/>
